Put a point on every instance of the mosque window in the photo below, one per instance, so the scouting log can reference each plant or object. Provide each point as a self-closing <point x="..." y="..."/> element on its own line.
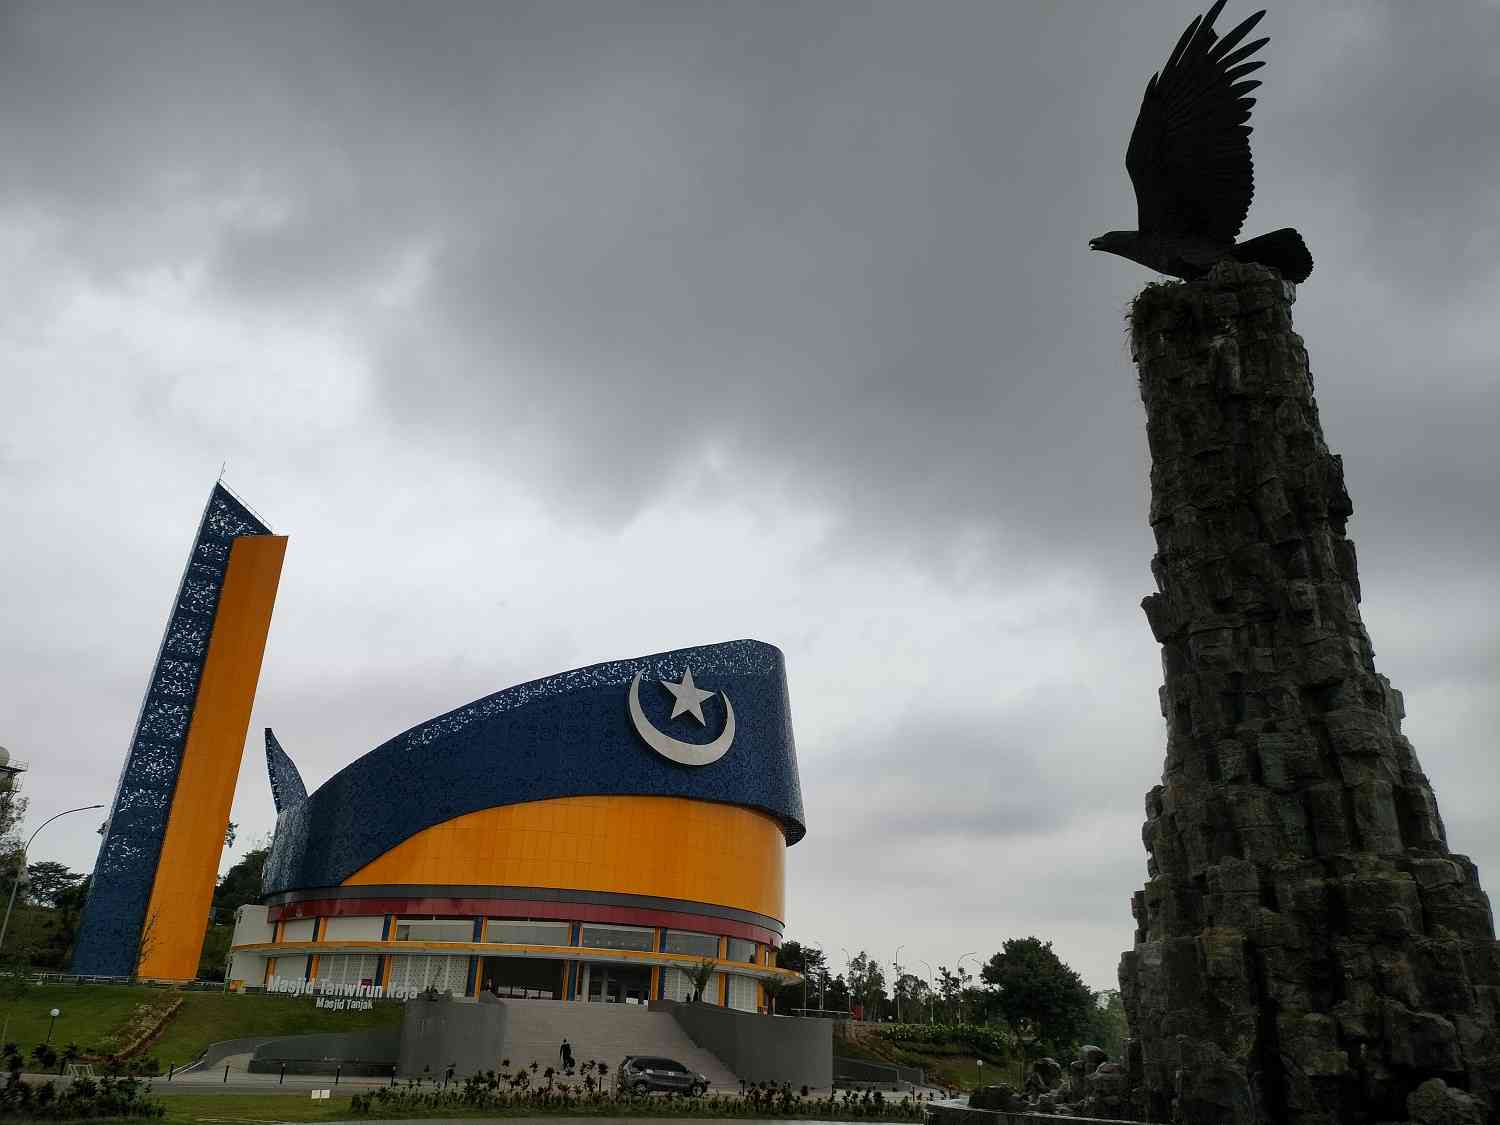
<point x="617" y="937"/>
<point x="699" y="945"/>
<point x="503" y="931"/>
<point x="741" y="950"/>
<point x="434" y="929"/>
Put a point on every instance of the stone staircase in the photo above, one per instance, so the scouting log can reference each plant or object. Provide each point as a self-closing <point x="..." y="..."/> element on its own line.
<point x="603" y="1033"/>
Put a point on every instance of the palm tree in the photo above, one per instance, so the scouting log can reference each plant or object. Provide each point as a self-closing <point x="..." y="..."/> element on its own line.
<point x="772" y="987"/>
<point x="702" y="973"/>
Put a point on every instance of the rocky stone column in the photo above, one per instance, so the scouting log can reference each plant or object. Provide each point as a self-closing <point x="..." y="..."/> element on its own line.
<point x="1307" y="948"/>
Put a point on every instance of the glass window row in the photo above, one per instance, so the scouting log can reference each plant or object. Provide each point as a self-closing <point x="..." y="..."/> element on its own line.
<point x="503" y="931"/>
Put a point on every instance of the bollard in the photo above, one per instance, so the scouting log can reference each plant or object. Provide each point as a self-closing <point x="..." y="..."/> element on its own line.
<point x="338" y="1070"/>
<point x="226" y="1072"/>
<point x="282" y="1079"/>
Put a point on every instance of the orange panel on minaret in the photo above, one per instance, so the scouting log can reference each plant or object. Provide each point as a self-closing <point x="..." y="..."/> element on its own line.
<point x="177" y="916"/>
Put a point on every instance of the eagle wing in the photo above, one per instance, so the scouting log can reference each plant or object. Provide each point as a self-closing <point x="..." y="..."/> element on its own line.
<point x="1189" y="154"/>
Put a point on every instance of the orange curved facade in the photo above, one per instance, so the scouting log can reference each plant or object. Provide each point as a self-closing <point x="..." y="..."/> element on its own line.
<point x="669" y="847"/>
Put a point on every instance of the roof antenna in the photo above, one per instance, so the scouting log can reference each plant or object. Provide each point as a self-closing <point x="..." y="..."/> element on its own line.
<point x="224" y="464"/>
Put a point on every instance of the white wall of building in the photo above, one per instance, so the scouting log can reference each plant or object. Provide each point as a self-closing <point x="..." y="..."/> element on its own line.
<point x="300" y="930"/>
<point x="251" y="927"/>
<point x="353" y="929"/>
<point x="247" y="968"/>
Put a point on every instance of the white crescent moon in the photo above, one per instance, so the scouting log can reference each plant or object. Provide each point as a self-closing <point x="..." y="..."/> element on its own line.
<point x="683" y="753"/>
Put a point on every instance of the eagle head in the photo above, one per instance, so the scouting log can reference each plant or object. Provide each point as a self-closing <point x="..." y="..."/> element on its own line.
<point x="1115" y="241"/>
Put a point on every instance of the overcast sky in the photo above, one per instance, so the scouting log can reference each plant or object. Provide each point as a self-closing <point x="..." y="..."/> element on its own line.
<point x="555" y="333"/>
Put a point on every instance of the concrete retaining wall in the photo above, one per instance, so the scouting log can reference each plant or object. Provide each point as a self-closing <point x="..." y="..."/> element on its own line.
<point x="760" y="1048"/>
<point x="437" y="1034"/>
<point x="865" y="1072"/>
<point x="354" y="1053"/>
<point x="218" y="1052"/>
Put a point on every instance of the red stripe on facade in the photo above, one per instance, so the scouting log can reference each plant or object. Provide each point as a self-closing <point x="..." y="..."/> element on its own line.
<point x="522" y="908"/>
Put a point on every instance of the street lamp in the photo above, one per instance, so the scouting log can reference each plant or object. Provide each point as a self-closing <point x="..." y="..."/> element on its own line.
<point x="931" y="987"/>
<point x="55" y="1013"/>
<point x="897" y="989"/>
<point x="21" y="869"/>
<point x="819" y="948"/>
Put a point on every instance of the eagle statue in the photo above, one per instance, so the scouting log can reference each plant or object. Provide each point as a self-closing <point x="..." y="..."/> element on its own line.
<point x="1189" y="161"/>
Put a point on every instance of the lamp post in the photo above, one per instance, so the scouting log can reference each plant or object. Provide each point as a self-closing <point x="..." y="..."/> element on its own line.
<point x="819" y="948"/>
<point x="848" y="984"/>
<point x="21" y="869"/>
<point x="55" y="1013"/>
<point x="897" y="988"/>
<point x="930" y="988"/>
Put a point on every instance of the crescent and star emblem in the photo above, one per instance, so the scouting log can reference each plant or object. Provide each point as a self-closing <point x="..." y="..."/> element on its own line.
<point x="687" y="698"/>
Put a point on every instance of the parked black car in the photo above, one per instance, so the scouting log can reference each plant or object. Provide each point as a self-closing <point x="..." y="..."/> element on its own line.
<point x="641" y="1075"/>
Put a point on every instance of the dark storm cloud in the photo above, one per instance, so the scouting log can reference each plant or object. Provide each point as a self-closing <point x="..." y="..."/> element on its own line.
<point x="840" y="246"/>
<point x="566" y="273"/>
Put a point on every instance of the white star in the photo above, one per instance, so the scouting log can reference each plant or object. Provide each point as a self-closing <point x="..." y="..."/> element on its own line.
<point x="687" y="696"/>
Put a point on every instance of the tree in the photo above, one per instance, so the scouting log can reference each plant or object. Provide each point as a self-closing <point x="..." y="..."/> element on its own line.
<point x="12" y="813"/>
<point x="867" y="984"/>
<point x="1038" y="994"/>
<point x="914" y="998"/>
<point x="240" y="885"/>
<point x="702" y="973"/>
<point x="60" y="926"/>
<point x="214" y="957"/>
<point x="48" y="879"/>
<point x="1107" y="1027"/>
<point x="951" y="988"/>
<point x="837" y="999"/>
<point x="229" y="830"/>
<point x="813" y="966"/>
<point x="772" y="987"/>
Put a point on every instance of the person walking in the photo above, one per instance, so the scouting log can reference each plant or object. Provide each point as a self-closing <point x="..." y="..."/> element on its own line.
<point x="565" y="1054"/>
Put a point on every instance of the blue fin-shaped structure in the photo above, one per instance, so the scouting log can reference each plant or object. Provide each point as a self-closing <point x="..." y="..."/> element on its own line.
<point x="286" y="783"/>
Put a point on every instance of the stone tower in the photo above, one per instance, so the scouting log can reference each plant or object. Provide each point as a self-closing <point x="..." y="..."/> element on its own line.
<point x="1307" y="948"/>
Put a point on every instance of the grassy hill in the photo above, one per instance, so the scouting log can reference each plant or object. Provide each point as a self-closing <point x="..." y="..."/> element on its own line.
<point x="946" y="1064"/>
<point x="102" y="1019"/>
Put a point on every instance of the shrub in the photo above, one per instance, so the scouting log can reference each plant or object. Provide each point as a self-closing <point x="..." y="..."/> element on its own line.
<point x="80" y="1100"/>
<point x="507" y="1093"/>
<point x="984" y="1040"/>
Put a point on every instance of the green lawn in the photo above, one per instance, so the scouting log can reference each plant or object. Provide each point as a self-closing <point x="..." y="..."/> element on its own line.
<point x="92" y="1013"/>
<point x="89" y="1013"/>
<point x="207" y="1017"/>
<point x="252" y="1107"/>
<point x="945" y="1065"/>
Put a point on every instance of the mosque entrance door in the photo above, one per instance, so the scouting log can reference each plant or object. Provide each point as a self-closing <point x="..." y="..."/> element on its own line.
<point x="617" y="984"/>
<point x="522" y="977"/>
